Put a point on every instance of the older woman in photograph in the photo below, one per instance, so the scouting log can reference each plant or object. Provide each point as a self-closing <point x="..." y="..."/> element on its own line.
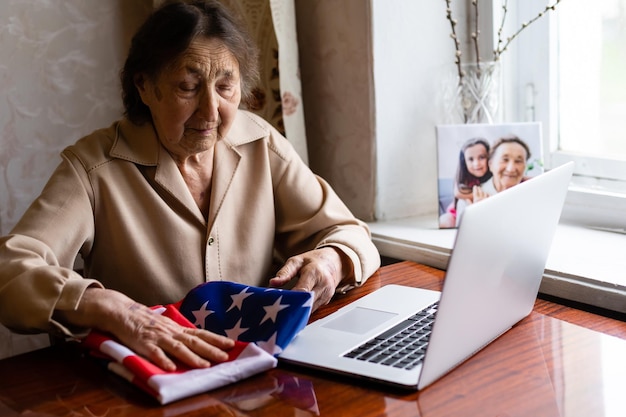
<point x="507" y="163"/>
<point x="187" y="188"/>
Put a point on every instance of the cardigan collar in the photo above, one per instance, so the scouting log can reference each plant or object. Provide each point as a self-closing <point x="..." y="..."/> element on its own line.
<point x="139" y="144"/>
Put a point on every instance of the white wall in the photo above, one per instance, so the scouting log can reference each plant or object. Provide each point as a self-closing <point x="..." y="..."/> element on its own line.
<point x="412" y="50"/>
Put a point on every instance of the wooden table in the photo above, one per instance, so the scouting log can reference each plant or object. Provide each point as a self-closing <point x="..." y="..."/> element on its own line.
<point x="558" y="361"/>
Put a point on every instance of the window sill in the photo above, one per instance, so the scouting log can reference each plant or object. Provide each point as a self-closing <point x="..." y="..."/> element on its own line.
<point x="585" y="265"/>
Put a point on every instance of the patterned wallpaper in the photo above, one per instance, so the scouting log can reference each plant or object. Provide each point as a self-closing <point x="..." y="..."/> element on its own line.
<point x="59" y="64"/>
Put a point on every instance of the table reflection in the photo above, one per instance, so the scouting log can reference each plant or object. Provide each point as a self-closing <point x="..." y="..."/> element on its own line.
<point x="286" y="389"/>
<point x="541" y="367"/>
<point x="544" y="366"/>
<point x="588" y="373"/>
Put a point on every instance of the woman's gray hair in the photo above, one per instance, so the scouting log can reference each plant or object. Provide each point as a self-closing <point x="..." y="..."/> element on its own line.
<point x="510" y="139"/>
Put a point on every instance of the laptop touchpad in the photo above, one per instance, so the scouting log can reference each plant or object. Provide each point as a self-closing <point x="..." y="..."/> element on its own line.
<point x="359" y="320"/>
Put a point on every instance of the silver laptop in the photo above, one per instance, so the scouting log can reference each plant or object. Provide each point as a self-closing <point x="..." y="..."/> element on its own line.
<point x="491" y="283"/>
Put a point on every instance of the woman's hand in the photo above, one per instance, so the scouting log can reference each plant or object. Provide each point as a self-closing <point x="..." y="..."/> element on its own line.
<point x="320" y="270"/>
<point x="479" y="194"/>
<point x="149" y="334"/>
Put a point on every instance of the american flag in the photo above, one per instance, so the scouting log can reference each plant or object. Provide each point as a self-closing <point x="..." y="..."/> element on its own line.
<point x="263" y="321"/>
<point x="271" y="318"/>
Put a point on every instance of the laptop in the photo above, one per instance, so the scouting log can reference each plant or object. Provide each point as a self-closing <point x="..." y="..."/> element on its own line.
<point x="491" y="283"/>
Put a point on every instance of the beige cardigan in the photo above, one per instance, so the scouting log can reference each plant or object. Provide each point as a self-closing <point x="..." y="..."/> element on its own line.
<point x="119" y="201"/>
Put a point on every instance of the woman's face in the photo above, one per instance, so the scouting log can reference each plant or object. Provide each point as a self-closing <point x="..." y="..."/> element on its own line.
<point x="194" y="100"/>
<point x="508" y="165"/>
<point x="476" y="159"/>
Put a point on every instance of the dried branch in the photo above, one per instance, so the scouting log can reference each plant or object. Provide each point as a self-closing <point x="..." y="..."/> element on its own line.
<point x="501" y="44"/>
<point x="500" y="49"/>
<point x="455" y="38"/>
<point x="476" y="34"/>
<point x="505" y="9"/>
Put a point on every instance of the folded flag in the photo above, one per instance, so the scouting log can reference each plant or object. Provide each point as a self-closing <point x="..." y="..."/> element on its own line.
<point x="263" y="321"/>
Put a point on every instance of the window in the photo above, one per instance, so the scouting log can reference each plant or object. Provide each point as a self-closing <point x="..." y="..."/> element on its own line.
<point x="592" y="87"/>
<point x="585" y="265"/>
<point x="568" y="70"/>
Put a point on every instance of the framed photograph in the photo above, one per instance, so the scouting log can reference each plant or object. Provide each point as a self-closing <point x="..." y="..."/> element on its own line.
<point x="475" y="161"/>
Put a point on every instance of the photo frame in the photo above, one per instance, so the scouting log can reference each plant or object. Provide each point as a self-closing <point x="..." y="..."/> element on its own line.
<point x="466" y="158"/>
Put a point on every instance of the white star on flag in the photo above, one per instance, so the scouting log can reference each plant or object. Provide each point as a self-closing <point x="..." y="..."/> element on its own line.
<point x="235" y="331"/>
<point x="270" y="345"/>
<point x="238" y="299"/>
<point x="272" y="311"/>
<point x="309" y="302"/>
<point x="201" y="314"/>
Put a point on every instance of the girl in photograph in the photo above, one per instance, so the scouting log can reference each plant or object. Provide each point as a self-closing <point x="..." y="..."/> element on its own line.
<point x="472" y="170"/>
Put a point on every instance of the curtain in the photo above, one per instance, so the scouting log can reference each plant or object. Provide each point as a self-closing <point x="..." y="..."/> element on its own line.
<point x="272" y="24"/>
<point x="278" y="97"/>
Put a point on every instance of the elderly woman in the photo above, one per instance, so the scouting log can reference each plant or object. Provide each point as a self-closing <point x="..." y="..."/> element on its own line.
<point x="187" y="188"/>
<point x="507" y="163"/>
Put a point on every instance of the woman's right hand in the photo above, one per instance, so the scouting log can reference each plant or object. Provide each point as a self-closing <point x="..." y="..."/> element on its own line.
<point x="149" y="334"/>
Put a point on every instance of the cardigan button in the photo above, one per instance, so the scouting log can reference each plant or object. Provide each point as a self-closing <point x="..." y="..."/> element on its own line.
<point x="211" y="241"/>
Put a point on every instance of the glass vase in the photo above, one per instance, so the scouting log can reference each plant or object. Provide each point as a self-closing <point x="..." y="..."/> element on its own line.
<point x="475" y="95"/>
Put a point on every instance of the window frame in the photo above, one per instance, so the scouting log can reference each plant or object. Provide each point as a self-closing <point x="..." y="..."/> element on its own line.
<point x="597" y="196"/>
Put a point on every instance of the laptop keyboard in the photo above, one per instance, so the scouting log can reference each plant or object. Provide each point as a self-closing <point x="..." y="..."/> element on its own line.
<point x="402" y="346"/>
